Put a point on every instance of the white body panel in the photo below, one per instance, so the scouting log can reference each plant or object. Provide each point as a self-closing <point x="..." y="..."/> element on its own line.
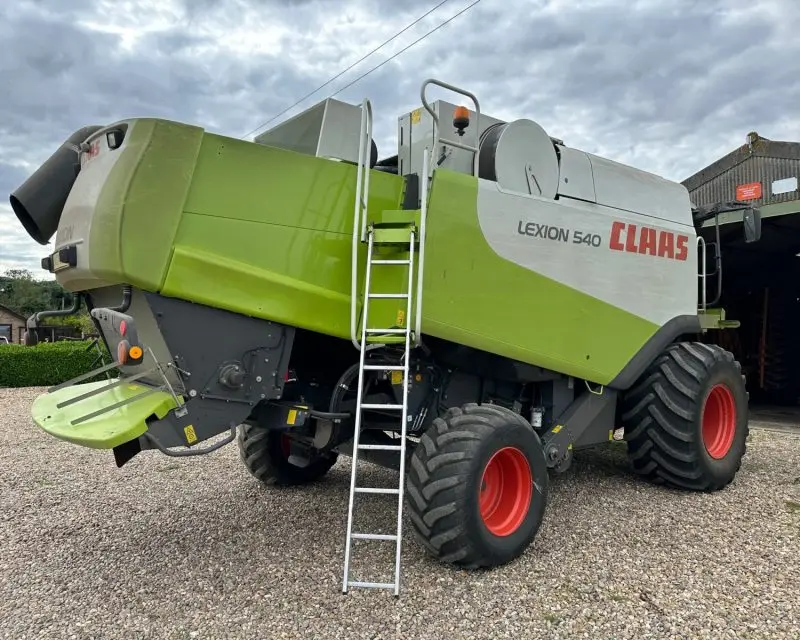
<point x="328" y="129"/>
<point x="592" y="249"/>
<point x="623" y="187"/>
<point x="575" y="175"/>
<point x="75" y="226"/>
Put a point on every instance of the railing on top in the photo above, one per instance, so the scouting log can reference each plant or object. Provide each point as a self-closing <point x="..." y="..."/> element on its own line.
<point x="453" y="143"/>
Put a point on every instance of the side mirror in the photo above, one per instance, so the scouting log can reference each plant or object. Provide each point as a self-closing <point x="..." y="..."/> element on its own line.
<point x="751" y="219"/>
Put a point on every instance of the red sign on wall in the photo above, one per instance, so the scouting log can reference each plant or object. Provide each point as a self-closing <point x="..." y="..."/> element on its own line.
<point x="750" y="191"/>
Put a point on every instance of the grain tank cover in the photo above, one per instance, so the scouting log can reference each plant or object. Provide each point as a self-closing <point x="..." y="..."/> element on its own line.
<point x="521" y="157"/>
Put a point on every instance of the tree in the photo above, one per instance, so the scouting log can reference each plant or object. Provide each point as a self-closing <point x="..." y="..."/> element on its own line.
<point x="20" y="291"/>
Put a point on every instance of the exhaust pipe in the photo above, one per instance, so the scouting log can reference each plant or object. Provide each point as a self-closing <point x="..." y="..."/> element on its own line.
<point x="39" y="201"/>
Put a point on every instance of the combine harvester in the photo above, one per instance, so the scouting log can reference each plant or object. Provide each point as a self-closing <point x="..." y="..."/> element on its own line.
<point x="469" y="311"/>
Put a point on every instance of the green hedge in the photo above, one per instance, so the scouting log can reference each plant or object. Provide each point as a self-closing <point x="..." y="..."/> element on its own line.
<point x="48" y="363"/>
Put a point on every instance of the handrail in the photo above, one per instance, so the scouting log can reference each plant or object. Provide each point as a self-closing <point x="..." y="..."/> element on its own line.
<point x="430" y="110"/>
<point x="366" y="148"/>
<point x="701" y="242"/>
<point x="360" y="213"/>
<point x="421" y="264"/>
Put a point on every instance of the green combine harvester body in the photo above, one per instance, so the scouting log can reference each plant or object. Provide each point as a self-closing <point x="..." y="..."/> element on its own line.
<point x="524" y="296"/>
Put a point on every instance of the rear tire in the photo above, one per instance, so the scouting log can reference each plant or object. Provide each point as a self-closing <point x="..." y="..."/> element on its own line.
<point x="265" y="455"/>
<point x="686" y="418"/>
<point x="477" y="486"/>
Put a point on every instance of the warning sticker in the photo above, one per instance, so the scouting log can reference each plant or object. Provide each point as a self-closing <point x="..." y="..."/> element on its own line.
<point x="191" y="436"/>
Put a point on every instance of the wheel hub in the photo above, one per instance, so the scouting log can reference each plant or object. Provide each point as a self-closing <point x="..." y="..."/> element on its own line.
<point x="719" y="421"/>
<point x="506" y="490"/>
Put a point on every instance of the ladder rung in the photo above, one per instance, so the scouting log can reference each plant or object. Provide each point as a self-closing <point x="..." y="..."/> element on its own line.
<point x="374" y="536"/>
<point x="391" y="407"/>
<point x="380" y="447"/>
<point x="391" y="262"/>
<point x="377" y="490"/>
<point x="370" y="585"/>
<point x="384" y="367"/>
<point x="387" y="331"/>
<point x="387" y="295"/>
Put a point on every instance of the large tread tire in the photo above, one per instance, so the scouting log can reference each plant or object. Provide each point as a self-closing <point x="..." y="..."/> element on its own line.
<point x="445" y="477"/>
<point x="663" y="415"/>
<point x="263" y="454"/>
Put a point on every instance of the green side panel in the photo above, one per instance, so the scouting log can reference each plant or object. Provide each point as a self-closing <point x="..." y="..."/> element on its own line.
<point x="108" y="429"/>
<point x="141" y="203"/>
<point x="235" y="284"/>
<point x="473" y="296"/>
<point x="268" y="233"/>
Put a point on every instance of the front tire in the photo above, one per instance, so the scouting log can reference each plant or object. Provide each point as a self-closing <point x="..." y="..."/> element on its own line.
<point x="265" y="454"/>
<point x="477" y="486"/>
<point x="686" y="419"/>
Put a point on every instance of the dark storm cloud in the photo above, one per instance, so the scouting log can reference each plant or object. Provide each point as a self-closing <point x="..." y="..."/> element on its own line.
<point x="666" y="85"/>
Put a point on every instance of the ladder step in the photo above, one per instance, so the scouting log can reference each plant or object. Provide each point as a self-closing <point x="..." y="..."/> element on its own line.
<point x="386" y="339"/>
<point x="387" y="330"/>
<point x="370" y="585"/>
<point x="388" y="295"/>
<point x="374" y="536"/>
<point x="377" y="490"/>
<point x="384" y="367"/>
<point x="380" y="447"/>
<point x="391" y="261"/>
<point x="391" y="407"/>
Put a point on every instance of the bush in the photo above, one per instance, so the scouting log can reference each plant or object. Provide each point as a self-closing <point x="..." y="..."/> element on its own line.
<point x="48" y="363"/>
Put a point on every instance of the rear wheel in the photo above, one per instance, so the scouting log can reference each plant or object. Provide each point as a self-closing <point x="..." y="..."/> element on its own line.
<point x="686" y="419"/>
<point x="477" y="486"/>
<point x="265" y="453"/>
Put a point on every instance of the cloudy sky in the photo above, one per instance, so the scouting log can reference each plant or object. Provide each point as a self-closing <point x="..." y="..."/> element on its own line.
<point x="665" y="85"/>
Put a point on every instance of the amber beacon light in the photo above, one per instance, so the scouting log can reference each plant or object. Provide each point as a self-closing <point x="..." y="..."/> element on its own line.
<point x="460" y="119"/>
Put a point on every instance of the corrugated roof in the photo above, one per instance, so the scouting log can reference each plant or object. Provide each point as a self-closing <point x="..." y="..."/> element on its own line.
<point x="755" y="147"/>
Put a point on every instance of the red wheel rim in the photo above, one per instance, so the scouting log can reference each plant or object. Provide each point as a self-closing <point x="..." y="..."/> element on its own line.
<point x="505" y="491"/>
<point x="719" y="421"/>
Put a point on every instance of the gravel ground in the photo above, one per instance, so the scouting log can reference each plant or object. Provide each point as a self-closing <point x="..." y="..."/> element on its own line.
<point x="195" y="548"/>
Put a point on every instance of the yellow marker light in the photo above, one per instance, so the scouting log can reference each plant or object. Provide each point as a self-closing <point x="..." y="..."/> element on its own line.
<point x="135" y="353"/>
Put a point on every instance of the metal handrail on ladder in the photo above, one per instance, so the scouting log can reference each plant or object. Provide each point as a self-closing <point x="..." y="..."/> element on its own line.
<point x="360" y="212"/>
<point x="703" y="275"/>
<point x="423" y="217"/>
<point x="428" y="167"/>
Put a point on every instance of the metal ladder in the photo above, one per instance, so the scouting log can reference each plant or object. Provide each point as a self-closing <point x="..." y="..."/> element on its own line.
<point x="402" y="408"/>
<point x="369" y="339"/>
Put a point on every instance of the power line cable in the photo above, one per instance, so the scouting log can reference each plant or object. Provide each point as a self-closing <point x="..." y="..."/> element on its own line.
<point x="364" y="75"/>
<point x="341" y="73"/>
